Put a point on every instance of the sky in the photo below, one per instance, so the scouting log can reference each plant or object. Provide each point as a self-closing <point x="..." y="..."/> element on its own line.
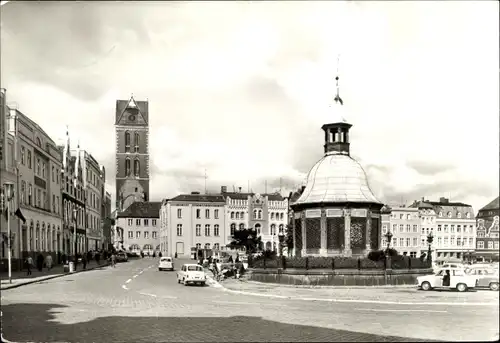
<point x="241" y="89"/>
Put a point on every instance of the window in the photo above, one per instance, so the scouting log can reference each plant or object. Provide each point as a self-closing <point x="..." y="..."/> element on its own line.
<point x="467" y="215"/>
<point x="415" y="241"/>
<point x="439" y="241"/>
<point x="198" y="229"/>
<point x="38" y="198"/>
<point x="408" y="228"/>
<point x="146" y="234"/>
<point x="138" y="234"/>
<point x="452" y="241"/>
<point x="54" y="203"/>
<point x="401" y="216"/>
<point x="242" y="226"/>
<point x="207" y="245"/>
<point x="459" y="215"/>
<point x="137" y="167"/>
<point x="446" y="228"/>
<point x="415" y="228"/>
<point x="38" y="168"/>
<point x="272" y="215"/>
<point x="23" y="191"/>
<point x="413" y="254"/>
<point x="258" y="228"/>
<point x="254" y="214"/>
<point x="401" y="227"/>
<point x="459" y="241"/>
<point x="43" y="170"/>
<point x="422" y="242"/>
<point x="216" y="246"/>
<point x="129" y="222"/>
<point x="480" y="245"/>
<point x="153" y="222"/>
<point x="260" y="214"/>
<point x="179" y="229"/>
<point x="233" y="228"/>
<point x="23" y="157"/>
<point x="471" y="242"/>
<point x="146" y="222"/>
<point x="137" y="221"/>
<point x="198" y="213"/>
<point x="445" y="241"/>
<point x="496" y="245"/>
<point x="198" y="245"/>
<point x="452" y="228"/>
<point x="127" y="167"/>
<point x="216" y="230"/>
<point x="449" y="214"/>
<point x="179" y="213"/>
<point x="273" y="229"/>
<point x="207" y="214"/>
<point x="439" y="228"/>
<point x="394" y="228"/>
<point x="237" y="215"/>
<point x="29" y="159"/>
<point x="408" y="242"/>
<point x="408" y="216"/>
<point x="490" y="245"/>
<point x="131" y="234"/>
<point x="136" y="142"/>
<point x="394" y="242"/>
<point x="207" y="230"/>
<point x="384" y="229"/>
<point x="127" y="141"/>
<point x="281" y="228"/>
<point x="242" y="215"/>
<point x="216" y="214"/>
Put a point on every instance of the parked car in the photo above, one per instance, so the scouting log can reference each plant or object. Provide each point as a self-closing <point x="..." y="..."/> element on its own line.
<point x="121" y="257"/>
<point x="166" y="263"/>
<point x="452" y="265"/>
<point x="191" y="273"/>
<point x="487" y="277"/>
<point x="459" y="280"/>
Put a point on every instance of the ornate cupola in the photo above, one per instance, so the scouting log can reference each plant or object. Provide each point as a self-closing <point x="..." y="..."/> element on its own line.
<point x="337" y="132"/>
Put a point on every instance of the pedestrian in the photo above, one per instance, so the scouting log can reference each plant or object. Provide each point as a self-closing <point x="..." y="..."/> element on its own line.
<point x="29" y="263"/>
<point x="39" y="262"/>
<point x="84" y="261"/>
<point x="97" y="257"/>
<point x="48" y="262"/>
<point x="113" y="260"/>
<point x="159" y="254"/>
<point x="175" y="255"/>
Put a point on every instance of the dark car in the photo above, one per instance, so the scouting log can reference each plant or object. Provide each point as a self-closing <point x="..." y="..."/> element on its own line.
<point x="121" y="257"/>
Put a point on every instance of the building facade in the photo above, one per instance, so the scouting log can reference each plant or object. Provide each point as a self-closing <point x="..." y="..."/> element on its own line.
<point x="107" y="219"/>
<point x="191" y="222"/>
<point x="132" y="152"/>
<point x="94" y="181"/>
<point x="487" y="239"/>
<point x="73" y="200"/>
<point x="453" y="227"/>
<point x="404" y="224"/>
<point x="34" y="160"/>
<point x="139" y="226"/>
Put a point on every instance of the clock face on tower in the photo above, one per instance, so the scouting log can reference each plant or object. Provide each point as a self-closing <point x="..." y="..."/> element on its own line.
<point x="131" y="117"/>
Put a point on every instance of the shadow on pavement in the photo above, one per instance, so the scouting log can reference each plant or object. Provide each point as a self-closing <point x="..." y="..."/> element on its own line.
<point x="35" y="322"/>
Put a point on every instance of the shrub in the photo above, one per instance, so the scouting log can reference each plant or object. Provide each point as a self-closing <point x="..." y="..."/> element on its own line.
<point x="320" y="262"/>
<point x="296" y="262"/>
<point x="376" y="255"/>
<point x="417" y="263"/>
<point x="370" y="264"/>
<point x="345" y="263"/>
<point x="393" y="252"/>
<point x="399" y="262"/>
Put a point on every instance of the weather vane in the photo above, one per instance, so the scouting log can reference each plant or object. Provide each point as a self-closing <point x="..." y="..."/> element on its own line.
<point x="337" y="96"/>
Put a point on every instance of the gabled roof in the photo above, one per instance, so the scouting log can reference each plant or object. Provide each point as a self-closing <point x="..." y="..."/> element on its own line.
<point x="494" y="205"/>
<point x="214" y="198"/>
<point x="236" y="195"/>
<point x="142" y="210"/>
<point x="141" y="106"/>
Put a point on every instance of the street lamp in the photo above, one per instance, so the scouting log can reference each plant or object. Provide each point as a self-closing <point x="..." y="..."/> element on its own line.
<point x="9" y="195"/>
<point x="388" y="236"/>
<point x="281" y="238"/>
<point x="430" y="238"/>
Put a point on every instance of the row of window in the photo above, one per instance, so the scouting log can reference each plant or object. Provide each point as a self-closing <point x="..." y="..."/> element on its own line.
<point x="216" y="246"/>
<point x="128" y="169"/>
<point x="452" y="241"/>
<point x="145" y="234"/>
<point x="491" y="245"/>
<point x="198" y="230"/>
<point x="459" y="214"/>
<point x="403" y="216"/>
<point x="136" y="141"/>
<point x="198" y="213"/>
<point x="413" y="242"/>
<point x="459" y="228"/>
<point x="258" y="228"/>
<point x="138" y="222"/>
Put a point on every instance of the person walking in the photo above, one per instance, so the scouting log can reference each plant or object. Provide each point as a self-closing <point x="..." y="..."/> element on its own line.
<point x="48" y="262"/>
<point x="98" y="257"/>
<point x="113" y="260"/>
<point x="29" y="264"/>
<point x="84" y="261"/>
<point x="39" y="262"/>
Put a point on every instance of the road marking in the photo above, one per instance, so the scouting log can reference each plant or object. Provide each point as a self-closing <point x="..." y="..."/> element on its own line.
<point x="128" y="280"/>
<point x="232" y="302"/>
<point x="394" y="310"/>
<point x="361" y="301"/>
<point x="125" y="287"/>
<point x="134" y="276"/>
<point x="148" y="294"/>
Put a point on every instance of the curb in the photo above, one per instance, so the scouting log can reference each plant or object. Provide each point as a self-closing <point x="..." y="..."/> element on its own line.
<point x="326" y="287"/>
<point x="50" y="277"/>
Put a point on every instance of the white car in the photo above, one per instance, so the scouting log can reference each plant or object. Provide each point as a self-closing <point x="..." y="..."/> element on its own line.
<point x="191" y="273"/>
<point x="166" y="263"/>
<point x="459" y="280"/>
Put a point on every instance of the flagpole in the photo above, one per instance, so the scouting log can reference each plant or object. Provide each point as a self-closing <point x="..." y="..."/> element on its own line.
<point x="8" y="240"/>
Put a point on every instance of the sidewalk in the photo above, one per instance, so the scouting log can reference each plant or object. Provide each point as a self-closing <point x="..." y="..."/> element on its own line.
<point x="20" y="278"/>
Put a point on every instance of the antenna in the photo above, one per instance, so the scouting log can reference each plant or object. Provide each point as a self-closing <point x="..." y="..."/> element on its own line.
<point x="248" y="187"/>
<point x="205" y="181"/>
<point x="266" y="187"/>
<point x="280" y="184"/>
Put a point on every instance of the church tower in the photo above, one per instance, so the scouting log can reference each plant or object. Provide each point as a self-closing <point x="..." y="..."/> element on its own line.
<point x="132" y="152"/>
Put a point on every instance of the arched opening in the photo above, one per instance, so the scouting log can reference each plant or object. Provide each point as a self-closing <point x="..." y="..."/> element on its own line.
<point x="258" y="228"/>
<point x="268" y="246"/>
<point x="136" y="167"/>
<point x="136" y="142"/>
<point x="127" y="141"/>
<point x="127" y="167"/>
<point x="233" y="229"/>
<point x="242" y="226"/>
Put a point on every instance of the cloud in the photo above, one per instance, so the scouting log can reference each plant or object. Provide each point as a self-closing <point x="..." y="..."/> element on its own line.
<point x="242" y="89"/>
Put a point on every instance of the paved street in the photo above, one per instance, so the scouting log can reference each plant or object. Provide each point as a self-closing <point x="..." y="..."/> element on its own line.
<point x="134" y="302"/>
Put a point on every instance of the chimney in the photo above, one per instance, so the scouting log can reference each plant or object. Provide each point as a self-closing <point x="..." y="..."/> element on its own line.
<point x="195" y="193"/>
<point x="239" y="189"/>
<point x="444" y="200"/>
<point x="223" y="189"/>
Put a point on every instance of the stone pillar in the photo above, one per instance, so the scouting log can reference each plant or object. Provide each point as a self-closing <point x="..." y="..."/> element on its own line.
<point x="294" y="251"/>
<point x="304" y="238"/>
<point x="368" y="230"/>
<point x="347" y="233"/>
<point x="323" y="250"/>
<point x="28" y="238"/>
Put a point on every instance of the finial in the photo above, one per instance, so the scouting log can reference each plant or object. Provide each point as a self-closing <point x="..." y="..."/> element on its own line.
<point x="67" y="130"/>
<point x="131" y="95"/>
<point x="337" y="96"/>
<point x="78" y="143"/>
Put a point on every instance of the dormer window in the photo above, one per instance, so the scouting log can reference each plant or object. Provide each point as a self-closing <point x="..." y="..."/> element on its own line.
<point x="449" y="214"/>
<point x="459" y="215"/>
<point x="440" y="214"/>
<point x="467" y="215"/>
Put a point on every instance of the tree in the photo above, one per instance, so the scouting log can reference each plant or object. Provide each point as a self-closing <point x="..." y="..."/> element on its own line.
<point x="245" y="238"/>
<point x="289" y="239"/>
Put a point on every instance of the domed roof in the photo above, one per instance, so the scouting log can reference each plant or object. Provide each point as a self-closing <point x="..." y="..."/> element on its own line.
<point x="337" y="178"/>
